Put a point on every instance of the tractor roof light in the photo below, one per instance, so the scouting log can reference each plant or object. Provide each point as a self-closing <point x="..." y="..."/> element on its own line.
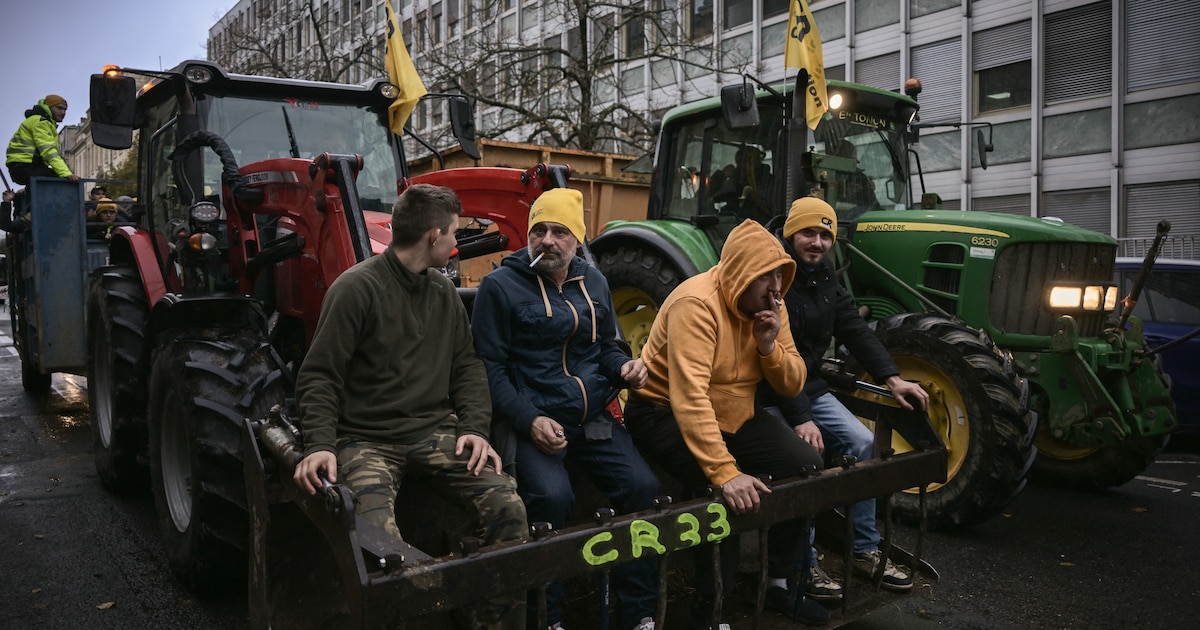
<point x="198" y="74"/>
<point x="111" y="70"/>
<point x="836" y="100"/>
<point x="389" y="90"/>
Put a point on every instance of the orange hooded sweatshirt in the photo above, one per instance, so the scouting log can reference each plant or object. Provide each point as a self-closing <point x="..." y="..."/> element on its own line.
<point x="702" y="356"/>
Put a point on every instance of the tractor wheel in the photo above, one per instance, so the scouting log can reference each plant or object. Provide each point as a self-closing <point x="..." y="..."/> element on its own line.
<point x="976" y="405"/>
<point x="202" y="385"/>
<point x="117" y="375"/>
<point x="1096" y="468"/>
<point x="640" y="282"/>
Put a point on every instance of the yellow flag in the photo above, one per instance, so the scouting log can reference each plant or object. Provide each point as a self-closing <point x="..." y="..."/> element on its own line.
<point x="402" y="73"/>
<point x="804" y="51"/>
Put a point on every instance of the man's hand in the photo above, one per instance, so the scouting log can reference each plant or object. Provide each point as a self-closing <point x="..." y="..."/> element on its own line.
<point x="72" y="177"/>
<point x="9" y="195"/>
<point x="308" y="470"/>
<point x="635" y="374"/>
<point x="766" y="328"/>
<point x="904" y="390"/>
<point x="809" y="432"/>
<point x="547" y="435"/>
<point x="741" y="493"/>
<point x="481" y="452"/>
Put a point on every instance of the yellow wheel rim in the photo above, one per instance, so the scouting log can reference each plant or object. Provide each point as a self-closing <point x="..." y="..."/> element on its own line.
<point x="636" y="312"/>
<point x="1050" y="447"/>
<point x="947" y="412"/>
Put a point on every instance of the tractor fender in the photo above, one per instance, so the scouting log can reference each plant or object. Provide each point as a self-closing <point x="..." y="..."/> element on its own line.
<point x="231" y="311"/>
<point x="136" y="247"/>
<point x="681" y="253"/>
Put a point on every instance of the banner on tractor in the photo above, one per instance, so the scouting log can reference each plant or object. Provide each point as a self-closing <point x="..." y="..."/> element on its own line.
<point x="402" y="73"/>
<point x="804" y="51"/>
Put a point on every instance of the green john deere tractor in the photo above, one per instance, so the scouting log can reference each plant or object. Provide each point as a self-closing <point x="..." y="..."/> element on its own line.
<point x="1003" y="319"/>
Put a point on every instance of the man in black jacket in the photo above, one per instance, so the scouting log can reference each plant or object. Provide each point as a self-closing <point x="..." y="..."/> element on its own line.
<point x="819" y="310"/>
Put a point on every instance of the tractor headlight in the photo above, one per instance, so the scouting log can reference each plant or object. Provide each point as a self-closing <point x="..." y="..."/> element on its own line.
<point x="1082" y="297"/>
<point x="205" y="212"/>
<point x="389" y="90"/>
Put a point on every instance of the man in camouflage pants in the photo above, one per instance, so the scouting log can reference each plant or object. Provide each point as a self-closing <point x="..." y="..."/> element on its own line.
<point x="392" y="384"/>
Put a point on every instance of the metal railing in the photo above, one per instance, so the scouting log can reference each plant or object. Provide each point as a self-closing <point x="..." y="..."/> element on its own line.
<point x="1175" y="246"/>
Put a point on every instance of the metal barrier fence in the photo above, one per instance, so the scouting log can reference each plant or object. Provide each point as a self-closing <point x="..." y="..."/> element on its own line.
<point x="1182" y="246"/>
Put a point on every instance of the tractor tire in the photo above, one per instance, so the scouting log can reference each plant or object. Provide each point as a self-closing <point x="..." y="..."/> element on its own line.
<point x="202" y="385"/>
<point x="1096" y="468"/>
<point x="640" y="282"/>
<point x="117" y="376"/>
<point x="977" y="405"/>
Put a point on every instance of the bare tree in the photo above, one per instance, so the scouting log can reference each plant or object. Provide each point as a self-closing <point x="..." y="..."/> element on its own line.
<point x="321" y="40"/>
<point x="563" y="82"/>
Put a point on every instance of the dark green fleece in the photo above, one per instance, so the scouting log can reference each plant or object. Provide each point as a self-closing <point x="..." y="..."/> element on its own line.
<point x="392" y="357"/>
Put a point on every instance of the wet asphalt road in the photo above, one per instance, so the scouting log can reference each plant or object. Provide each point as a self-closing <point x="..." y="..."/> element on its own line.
<point x="74" y="556"/>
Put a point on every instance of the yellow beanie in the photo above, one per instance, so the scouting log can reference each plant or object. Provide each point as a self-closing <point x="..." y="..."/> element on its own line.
<point x="53" y="99"/>
<point x="105" y="204"/>
<point x="810" y="212"/>
<point x="560" y="205"/>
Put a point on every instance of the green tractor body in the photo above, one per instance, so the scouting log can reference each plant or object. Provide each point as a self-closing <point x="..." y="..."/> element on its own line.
<point x="962" y="300"/>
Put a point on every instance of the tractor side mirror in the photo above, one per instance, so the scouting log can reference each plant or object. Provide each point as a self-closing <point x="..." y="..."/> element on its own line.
<point x="738" y="106"/>
<point x="112" y="110"/>
<point x="985" y="146"/>
<point x="462" y="125"/>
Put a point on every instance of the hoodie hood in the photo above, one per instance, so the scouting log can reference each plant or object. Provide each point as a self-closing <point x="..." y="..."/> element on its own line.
<point x="41" y="109"/>
<point x="749" y="252"/>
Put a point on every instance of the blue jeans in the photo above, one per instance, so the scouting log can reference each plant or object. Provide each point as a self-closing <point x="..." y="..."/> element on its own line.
<point x="845" y="434"/>
<point x="619" y="471"/>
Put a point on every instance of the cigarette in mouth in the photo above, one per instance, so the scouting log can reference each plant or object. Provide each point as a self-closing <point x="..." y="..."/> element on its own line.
<point x="778" y="303"/>
<point x="537" y="260"/>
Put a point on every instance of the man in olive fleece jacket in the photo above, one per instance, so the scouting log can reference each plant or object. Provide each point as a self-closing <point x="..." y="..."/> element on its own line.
<point x="391" y="383"/>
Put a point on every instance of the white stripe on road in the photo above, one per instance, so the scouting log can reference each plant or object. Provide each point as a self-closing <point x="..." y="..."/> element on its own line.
<point x="1154" y="480"/>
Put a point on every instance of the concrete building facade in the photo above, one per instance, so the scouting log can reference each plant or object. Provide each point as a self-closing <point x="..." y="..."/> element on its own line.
<point x="1093" y="104"/>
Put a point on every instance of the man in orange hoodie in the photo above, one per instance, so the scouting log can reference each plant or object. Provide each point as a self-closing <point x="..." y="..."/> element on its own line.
<point x="716" y="337"/>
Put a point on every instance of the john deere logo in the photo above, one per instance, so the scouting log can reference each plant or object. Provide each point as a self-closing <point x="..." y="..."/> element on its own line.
<point x="827" y="222"/>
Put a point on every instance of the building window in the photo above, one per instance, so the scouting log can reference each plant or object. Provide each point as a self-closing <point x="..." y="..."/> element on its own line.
<point x="1003" y="87"/>
<point x="696" y="63"/>
<point x="737" y="13"/>
<point x="917" y="8"/>
<point x="737" y="52"/>
<point x="633" y="34"/>
<point x="771" y="8"/>
<point x="1078" y="53"/>
<point x="873" y="14"/>
<point x="940" y="151"/>
<point x="633" y="80"/>
<point x="774" y="40"/>
<point x="831" y="22"/>
<point x="700" y="18"/>
<point x="662" y="73"/>
<point x="1002" y="67"/>
<point x="880" y="72"/>
<point x="1162" y="122"/>
<point x="1161" y="43"/>
<point x="1089" y="209"/>
<point x="1077" y="133"/>
<point x="1011" y="143"/>
<point x="940" y="67"/>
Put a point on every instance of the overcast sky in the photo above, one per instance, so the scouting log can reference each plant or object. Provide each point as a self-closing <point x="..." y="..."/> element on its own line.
<point x="54" y="47"/>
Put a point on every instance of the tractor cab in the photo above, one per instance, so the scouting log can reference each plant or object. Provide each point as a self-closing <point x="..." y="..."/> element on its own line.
<point x="718" y="166"/>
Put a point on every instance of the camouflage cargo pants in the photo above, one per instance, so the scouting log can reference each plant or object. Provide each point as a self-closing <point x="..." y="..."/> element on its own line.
<point x="374" y="472"/>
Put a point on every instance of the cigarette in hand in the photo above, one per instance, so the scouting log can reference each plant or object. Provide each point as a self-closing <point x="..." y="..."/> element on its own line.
<point x="537" y="260"/>
<point x="559" y="433"/>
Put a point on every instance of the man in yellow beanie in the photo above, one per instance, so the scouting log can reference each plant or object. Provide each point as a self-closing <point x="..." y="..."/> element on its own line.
<point x="545" y="328"/>
<point x="33" y="150"/>
<point x="820" y="309"/>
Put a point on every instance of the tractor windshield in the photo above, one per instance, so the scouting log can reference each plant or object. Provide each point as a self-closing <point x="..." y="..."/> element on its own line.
<point x="260" y="129"/>
<point x="857" y="162"/>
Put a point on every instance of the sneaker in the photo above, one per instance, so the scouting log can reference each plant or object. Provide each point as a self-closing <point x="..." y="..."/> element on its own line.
<point x="893" y="578"/>
<point x="647" y="623"/>
<point x="821" y="587"/>
<point x="809" y="612"/>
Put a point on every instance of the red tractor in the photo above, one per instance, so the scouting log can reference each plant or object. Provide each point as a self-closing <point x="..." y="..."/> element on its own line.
<point x="207" y="304"/>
